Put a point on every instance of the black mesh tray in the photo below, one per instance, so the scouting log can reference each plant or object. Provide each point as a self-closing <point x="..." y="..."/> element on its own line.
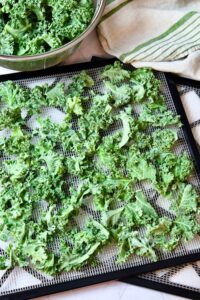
<point x="183" y="280"/>
<point x="28" y="283"/>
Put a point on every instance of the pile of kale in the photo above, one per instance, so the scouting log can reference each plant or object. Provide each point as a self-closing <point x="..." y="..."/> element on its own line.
<point x="30" y="27"/>
<point x="39" y="205"/>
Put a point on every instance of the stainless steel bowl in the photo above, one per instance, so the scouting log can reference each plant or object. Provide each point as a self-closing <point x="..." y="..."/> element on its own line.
<point x="54" y="57"/>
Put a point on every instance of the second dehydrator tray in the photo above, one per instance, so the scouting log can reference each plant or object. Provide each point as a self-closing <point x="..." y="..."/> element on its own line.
<point x="182" y="280"/>
<point x="27" y="283"/>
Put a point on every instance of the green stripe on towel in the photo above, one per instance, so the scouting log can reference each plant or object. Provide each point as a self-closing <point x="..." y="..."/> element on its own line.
<point x="177" y="25"/>
<point x="114" y="10"/>
<point x="160" y="47"/>
<point x="179" y="49"/>
<point x="110" y="1"/>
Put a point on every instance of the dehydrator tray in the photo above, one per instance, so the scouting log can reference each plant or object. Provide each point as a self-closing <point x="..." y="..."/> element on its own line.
<point x="26" y="283"/>
<point x="182" y="280"/>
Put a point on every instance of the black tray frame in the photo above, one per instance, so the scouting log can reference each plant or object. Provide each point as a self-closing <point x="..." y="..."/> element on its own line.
<point x="55" y="288"/>
<point x="161" y="287"/>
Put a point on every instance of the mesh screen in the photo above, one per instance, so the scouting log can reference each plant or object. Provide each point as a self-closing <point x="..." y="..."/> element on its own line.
<point x="186" y="276"/>
<point x="21" y="279"/>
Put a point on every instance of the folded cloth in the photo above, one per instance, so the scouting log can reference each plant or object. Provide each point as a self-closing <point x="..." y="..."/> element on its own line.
<point x="161" y="34"/>
<point x="191" y="104"/>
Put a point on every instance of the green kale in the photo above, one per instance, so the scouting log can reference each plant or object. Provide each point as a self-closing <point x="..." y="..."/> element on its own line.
<point x="139" y="212"/>
<point x="3" y="263"/>
<point x="138" y="92"/>
<point x="56" y="95"/>
<point x="115" y="73"/>
<point x="38" y="99"/>
<point x="48" y="132"/>
<point x="121" y="95"/>
<point x="110" y="192"/>
<point x="184" y="167"/>
<point x="169" y="167"/>
<point x="18" y="142"/>
<point x="151" y="85"/>
<point x="111" y="218"/>
<point x="158" y="234"/>
<point x="163" y="140"/>
<point x="187" y="201"/>
<point x="95" y="162"/>
<point x="185" y="227"/>
<point x="16" y="169"/>
<point x="138" y="167"/>
<point x="85" y="244"/>
<point x="157" y="115"/>
<point x="97" y="118"/>
<point x="13" y="95"/>
<point x="129" y="243"/>
<point x="79" y="83"/>
<point x="7" y="43"/>
<point x="126" y="128"/>
<point x="10" y="118"/>
<point x="110" y="156"/>
<point x="31" y="27"/>
<point x="130" y="126"/>
<point x="74" y="105"/>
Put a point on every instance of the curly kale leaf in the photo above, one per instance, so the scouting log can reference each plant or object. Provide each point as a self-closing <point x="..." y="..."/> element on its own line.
<point x="185" y="227"/>
<point x="140" y="211"/>
<point x="111" y="218"/>
<point x="79" y="83"/>
<point x="109" y="155"/>
<point x="56" y="95"/>
<point x="97" y="118"/>
<point x="115" y="73"/>
<point x="48" y="132"/>
<point x="13" y="95"/>
<point x="10" y="118"/>
<point x="3" y="263"/>
<point x="121" y="95"/>
<point x="168" y="170"/>
<point x="187" y="201"/>
<point x="158" y="234"/>
<point x="110" y="192"/>
<point x="18" y="142"/>
<point x="158" y="116"/>
<point x="184" y="167"/>
<point x="85" y="244"/>
<point x="138" y="167"/>
<point x="151" y="85"/>
<point x="130" y="243"/>
<point x="16" y="169"/>
<point x="138" y="92"/>
<point x="163" y="140"/>
<point x="7" y="44"/>
<point x="74" y="105"/>
<point x="130" y="126"/>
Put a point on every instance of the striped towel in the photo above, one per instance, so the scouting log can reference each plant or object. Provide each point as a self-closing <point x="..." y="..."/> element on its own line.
<point x="191" y="103"/>
<point x="161" y="34"/>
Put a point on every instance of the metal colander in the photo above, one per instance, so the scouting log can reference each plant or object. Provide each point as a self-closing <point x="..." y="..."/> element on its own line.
<point x="56" y="56"/>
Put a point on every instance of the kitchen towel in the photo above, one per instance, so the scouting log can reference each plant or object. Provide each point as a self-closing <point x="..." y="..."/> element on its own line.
<point x="161" y="34"/>
<point x="191" y="104"/>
